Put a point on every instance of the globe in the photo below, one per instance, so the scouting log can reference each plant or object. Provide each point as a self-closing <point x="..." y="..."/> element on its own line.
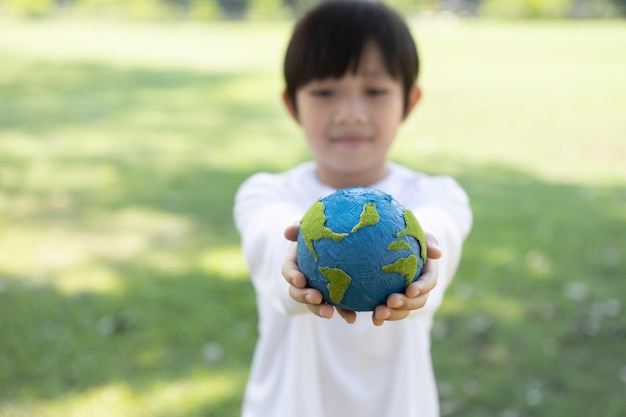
<point x="359" y="245"/>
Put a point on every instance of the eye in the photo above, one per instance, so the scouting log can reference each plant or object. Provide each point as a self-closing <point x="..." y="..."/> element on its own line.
<point x="376" y="92"/>
<point x="322" y="92"/>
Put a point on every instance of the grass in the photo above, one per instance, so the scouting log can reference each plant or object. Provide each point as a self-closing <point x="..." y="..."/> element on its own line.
<point x="122" y="288"/>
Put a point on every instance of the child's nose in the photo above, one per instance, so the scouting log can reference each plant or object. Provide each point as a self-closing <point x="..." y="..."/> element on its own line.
<point x="351" y="110"/>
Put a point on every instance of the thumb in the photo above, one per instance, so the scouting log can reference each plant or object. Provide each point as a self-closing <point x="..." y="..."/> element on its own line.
<point x="432" y="246"/>
<point x="291" y="232"/>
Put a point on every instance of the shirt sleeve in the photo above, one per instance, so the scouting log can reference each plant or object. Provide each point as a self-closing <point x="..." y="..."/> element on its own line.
<point x="444" y="211"/>
<point x="262" y="212"/>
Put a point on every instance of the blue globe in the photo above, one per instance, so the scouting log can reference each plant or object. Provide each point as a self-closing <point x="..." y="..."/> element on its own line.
<point x="359" y="245"/>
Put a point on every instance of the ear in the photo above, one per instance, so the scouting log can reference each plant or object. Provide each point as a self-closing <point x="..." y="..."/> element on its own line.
<point x="414" y="97"/>
<point x="290" y="106"/>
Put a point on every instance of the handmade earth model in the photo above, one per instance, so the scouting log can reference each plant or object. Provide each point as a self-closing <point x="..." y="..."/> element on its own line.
<point x="358" y="246"/>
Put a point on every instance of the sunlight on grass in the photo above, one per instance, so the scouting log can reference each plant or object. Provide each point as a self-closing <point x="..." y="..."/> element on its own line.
<point x="165" y="261"/>
<point x="546" y="95"/>
<point x="226" y="262"/>
<point x="45" y="174"/>
<point x="37" y="253"/>
<point x="71" y="142"/>
<point x="190" y="393"/>
<point x="176" y="398"/>
<point x="191" y="46"/>
<point x="265" y="151"/>
<point x="24" y="251"/>
<point x="534" y="115"/>
<point x="93" y="278"/>
<point x="151" y="223"/>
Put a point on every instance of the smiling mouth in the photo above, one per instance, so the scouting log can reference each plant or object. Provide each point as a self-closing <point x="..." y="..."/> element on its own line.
<point x="351" y="140"/>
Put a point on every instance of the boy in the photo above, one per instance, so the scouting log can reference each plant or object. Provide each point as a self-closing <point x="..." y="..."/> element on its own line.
<point x="350" y="71"/>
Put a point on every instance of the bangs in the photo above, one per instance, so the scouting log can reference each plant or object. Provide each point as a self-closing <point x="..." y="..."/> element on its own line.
<point x="329" y="41"/>
<point x="333" y="48"/>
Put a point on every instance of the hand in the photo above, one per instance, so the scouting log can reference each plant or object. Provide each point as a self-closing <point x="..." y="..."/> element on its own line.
<point x="398" y="305"/>
<point x="298" y="289"/>
<point x="415" y="296"/>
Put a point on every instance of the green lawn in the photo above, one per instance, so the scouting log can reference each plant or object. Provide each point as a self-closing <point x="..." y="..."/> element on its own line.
<point x="122" y="288"/>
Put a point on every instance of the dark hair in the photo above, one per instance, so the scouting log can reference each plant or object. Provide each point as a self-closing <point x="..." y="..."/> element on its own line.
<point x="329" y="39"/>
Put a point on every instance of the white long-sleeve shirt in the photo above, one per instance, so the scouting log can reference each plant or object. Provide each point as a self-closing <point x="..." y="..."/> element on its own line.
<point x="305" y="366"/>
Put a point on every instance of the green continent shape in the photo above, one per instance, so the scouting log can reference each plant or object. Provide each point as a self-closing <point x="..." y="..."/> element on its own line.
<point x="369" y="217"/>
<point x="339" y="282"/>
<point x="413" y="228"/>
<point x="313" y="227"/>
<point x="399" y="245"/>
<point x="407" y="267"/>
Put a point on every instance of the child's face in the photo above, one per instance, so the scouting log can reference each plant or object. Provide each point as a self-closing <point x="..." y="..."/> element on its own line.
<point x="350" y="122"/>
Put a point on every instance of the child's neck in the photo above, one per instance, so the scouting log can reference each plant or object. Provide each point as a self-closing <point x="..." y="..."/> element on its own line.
<point x="341" y="180"/>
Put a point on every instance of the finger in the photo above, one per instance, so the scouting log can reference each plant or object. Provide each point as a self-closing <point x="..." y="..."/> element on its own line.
<point x="432" y="246"/>
<point x="324" y="311"/>
<point x="400" y="302"/>
<point x="290" y="269"/>
<point x="396" y="315"/>
<point x="380" y="314"/>
<point x="348" y="315"/>
<point x="305" y="295"/>
<point x="427" y="280"/>
<point x="291" y="232"/>
<point x="383" y="313"/>
<point x="426" y="283"/>
<point x="397" y="300"/>
<point x="416" y="294"/>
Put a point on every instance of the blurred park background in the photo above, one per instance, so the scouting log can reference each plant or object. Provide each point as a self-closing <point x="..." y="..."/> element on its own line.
<point x="126" y="127"/>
